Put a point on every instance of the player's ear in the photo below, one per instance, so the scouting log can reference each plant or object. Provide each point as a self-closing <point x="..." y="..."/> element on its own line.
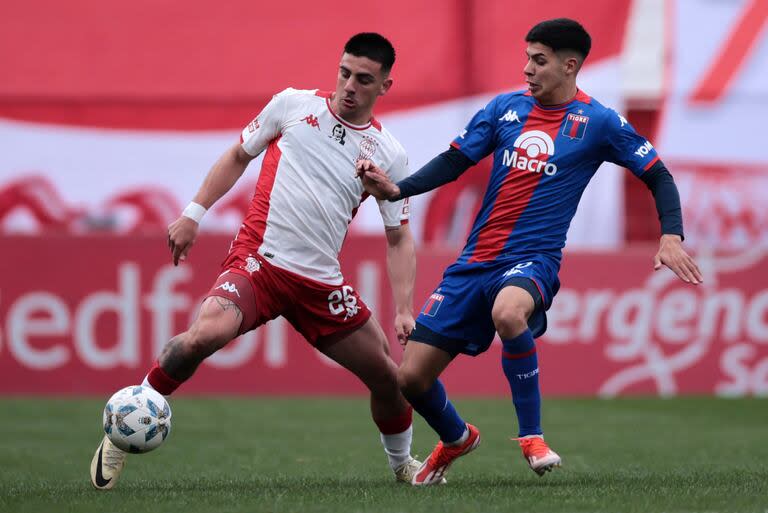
<point x="572" y="65"/>
<point x="385" y="86"/>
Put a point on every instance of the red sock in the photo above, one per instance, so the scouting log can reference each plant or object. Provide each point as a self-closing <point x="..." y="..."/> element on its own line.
<point x="395" y="425"/>
<point x="161" y="381"/>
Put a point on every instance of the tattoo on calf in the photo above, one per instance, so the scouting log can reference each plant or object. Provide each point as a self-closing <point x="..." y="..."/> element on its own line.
<point x="180" y="358"/>
<point x="176" y="362"/>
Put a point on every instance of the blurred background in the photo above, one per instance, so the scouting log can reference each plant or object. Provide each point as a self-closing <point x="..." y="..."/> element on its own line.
<point x="112" y="113"/>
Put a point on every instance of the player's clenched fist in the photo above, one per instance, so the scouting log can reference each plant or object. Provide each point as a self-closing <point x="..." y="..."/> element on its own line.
<point x="375" y="181"/>
<point x="181" y="235"/>
<point x="404" y="323"/>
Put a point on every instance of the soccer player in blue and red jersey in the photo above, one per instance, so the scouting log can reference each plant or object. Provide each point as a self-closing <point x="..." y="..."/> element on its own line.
<point x="547" y="143"/>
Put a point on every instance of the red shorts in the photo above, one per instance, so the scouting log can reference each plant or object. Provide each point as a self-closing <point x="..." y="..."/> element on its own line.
<point x="263" y="292"/>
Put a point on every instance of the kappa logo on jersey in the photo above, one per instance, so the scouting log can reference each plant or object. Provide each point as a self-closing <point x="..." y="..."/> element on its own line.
<point x="343" y="300"/>
<point x="338" y="133"/>
<point x="622" y="120"/>
<point x="367" y="148"/>
<point x="643" y="150"/>
<point x="229" y="287"/>
<point x="253" y="126"/>
<point x="312" y="121"/>
<point x="433" y="304"/>
<point x="575" y="125"/>
<point x="510" y="116"/>
<point x="534" y="143"/>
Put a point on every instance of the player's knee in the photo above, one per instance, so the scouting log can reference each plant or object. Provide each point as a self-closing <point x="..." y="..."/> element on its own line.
<point x="510" y="321"/>
<point x="411" y="383"/>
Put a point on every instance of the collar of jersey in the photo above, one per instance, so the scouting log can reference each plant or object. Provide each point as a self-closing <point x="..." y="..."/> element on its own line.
<point x="580" y="96"/>
<point x="346" y="123"/>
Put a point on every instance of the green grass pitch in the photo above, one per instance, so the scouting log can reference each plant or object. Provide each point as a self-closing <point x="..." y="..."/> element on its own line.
<point x="307" y="455"/>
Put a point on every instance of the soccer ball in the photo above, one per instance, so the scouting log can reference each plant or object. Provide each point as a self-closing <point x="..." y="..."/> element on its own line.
<point x="137" y="419"/>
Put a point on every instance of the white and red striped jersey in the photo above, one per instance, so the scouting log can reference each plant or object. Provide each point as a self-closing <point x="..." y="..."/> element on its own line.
<point x="307" y="192"/>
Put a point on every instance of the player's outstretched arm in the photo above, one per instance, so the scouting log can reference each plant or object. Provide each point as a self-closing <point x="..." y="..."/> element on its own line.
<point x="622" y="143"/>
<point x="220" y="179"/>
<point x="672" y="254"/>
<point x="375" y="181"/>
<point x="659" y="181"/>
<point x="401" y="267"/>
<point x="444" y="168"/>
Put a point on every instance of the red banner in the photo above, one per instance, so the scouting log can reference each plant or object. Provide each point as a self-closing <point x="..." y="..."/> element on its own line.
<point x="111" y="76"/>
<point x="723" y="204"/>
<point x="87" y="316"/>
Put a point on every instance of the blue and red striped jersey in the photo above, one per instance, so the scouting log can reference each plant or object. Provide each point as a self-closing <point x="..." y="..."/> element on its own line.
<point x="543" y="158"/>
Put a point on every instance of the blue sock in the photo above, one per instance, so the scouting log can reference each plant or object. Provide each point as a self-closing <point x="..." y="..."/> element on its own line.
<point x="439" y="413"/>
<point x="521" y="367"/>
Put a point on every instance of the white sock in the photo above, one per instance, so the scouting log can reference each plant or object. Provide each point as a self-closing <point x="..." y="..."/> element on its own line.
<point x="398" y="447"/>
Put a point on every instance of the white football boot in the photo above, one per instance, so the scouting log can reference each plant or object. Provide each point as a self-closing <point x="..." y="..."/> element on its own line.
<point x="405" y="472"/>
<point x="106" y="465"/>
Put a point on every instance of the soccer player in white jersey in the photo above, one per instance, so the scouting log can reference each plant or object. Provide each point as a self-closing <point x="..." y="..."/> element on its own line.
<point x="284" y="259"/>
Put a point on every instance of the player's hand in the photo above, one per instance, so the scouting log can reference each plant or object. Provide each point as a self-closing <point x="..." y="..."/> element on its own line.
<point x="181" y="236"/>
<point x="375" y="181"/>
<point x="404" y="324"/>
<point x="672" y="254"/>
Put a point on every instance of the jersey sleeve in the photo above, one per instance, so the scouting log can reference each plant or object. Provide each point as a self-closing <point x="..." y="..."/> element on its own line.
<point x="396" y="213"/>
<point x="626" y="147"/>
<point x="477" y="140"/>
<point x="266" y="126"/>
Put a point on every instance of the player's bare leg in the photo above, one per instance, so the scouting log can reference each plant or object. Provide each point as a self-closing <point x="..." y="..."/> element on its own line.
<point x="422" y="365"/>
<point x="365" y="352"/>
<point x="418" y="379"/>
<point x="215" y="326"/>
<point x="217" y="323"/>
<point x="511" y="310"/>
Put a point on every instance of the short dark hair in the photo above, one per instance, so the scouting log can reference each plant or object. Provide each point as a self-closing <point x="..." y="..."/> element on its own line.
<point x="561" y="34"/>
<point x="374" y="46"/>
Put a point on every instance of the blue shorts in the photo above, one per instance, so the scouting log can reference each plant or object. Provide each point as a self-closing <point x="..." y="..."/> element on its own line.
<point x="457" y="315"/>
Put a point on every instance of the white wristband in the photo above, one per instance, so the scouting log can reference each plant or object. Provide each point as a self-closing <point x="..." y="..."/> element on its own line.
<point x="194" y="211"/>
